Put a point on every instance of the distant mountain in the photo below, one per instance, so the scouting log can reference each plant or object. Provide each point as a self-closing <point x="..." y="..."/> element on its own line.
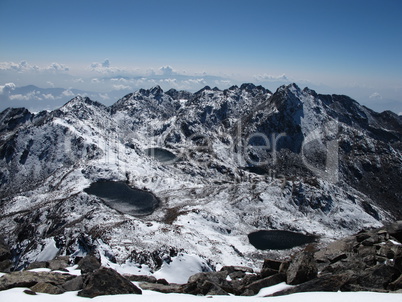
<point x="221" y="163"/>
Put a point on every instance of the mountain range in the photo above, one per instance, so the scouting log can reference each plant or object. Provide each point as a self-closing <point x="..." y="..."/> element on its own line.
<point x="220" y="164"/>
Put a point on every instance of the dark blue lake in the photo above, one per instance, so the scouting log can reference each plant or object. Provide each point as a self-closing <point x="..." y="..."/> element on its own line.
<point x="119" y="196"/>
<point x="278" y="240"/>
<point x="162" y="155"/>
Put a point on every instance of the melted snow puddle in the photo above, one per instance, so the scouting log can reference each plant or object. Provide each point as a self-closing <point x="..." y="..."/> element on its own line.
<point x="278" y="240"/>
<point x="124" y="199"/>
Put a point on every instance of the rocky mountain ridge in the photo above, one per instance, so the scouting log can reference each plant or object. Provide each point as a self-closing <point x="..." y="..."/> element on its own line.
<point x="245" y="159"/>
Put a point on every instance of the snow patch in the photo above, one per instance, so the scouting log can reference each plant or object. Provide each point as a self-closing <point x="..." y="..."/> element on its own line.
<point x="181" y="268"/>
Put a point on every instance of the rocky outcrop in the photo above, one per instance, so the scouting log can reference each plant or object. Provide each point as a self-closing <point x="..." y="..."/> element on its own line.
<point x="28" y="279"/>
<point x="88" y="264"/>
<point x="105" y="281"/>
<point x="58" y="264"/>
<point x="368" y="261"/>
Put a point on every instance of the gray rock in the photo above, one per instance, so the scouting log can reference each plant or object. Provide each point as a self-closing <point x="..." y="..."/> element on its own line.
<point x="231" y="269"/>
<point x="216" y="277"/>
<point x="88" y="264"/>
<point x="326" y="283"/>
<point x="38" y="264"/>
<point x="141" y="278"/>
<point x="60" y="263"/>
<point x="253" y="288"/>
<point x="377" y="277"/>
<point x="28" y="279"/>
<point x="272" y="264"/>
<point x="105" y="281"/>
<point x="29" y="292"/>
<point x="74" y="284"/>
<point x="47" y="288"/>
<point x="302" y="268"/>
<point x="167" y="289"/>
<point x="396" y="285"/>
<point x="395" y="230"/>
<point x="205" y="283"/>
<point x="5" y="266"/>
<point x="237" y="275"/>
<point x="212" y="289"/>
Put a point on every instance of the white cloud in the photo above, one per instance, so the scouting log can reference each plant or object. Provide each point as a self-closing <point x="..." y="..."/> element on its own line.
<point x="79" y="80"/>
<point x="24" y="66"/>
<point x="106" y="63"/>
<point x="375" y="96"/>
<point x="33" y="95"/>
<point x="6" y="88"/>
<point x="270" y="78"/>
<point x="104" y="67"/>
<point x="68" y="92"/>
<point x="48" y="96"/>
<point x="121" y="87"/>
<point x="57" y="67"/>
<point x="51" y="84"/>
<point x="104" y="96"/>
<point x="167" y="71"/>
<point x="17" y="67"/>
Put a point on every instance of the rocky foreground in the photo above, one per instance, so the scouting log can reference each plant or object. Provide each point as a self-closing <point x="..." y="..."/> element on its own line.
<point x="368" y="261"/>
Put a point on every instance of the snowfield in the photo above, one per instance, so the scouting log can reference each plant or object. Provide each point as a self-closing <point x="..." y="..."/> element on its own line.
<point x="17" y="295"/>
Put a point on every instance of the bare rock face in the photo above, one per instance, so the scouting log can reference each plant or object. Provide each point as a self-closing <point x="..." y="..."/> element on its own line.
<point x="302" y="268"/>
<point x="105" y="281"/>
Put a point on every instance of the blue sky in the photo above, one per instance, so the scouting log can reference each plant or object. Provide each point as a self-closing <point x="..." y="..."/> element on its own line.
<point x="351" y="47"/>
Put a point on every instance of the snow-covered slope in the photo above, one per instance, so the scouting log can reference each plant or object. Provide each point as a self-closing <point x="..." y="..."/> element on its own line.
<point x="246" y="159"/>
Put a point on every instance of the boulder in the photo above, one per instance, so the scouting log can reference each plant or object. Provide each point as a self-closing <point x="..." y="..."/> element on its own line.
<point x="302" y="268"/>
<point x="395" y="230"/>
<point x="47" y="288"/>
<point x="141" y="278"/>
<point x="73" y="284"/>
<point x="376" y="278"/>
<point x="88" y="264"/>
<point x="209" y="288"/>
<point x="38" y="264"/>
<point x="214" y="277"/>
<point x="5" y="266"/>
<point x="232" y="269"/>
<point x="254" y="288"/>
<point x="59" y="264"/>
<point x="28" y="279"/>
<point x="325" y="283"/>
<point x="396" y="285"/>
<point x="271" y="264"/>
<point x="166" y="289"/>
<point x="106" y="281"/>
<point x="205" y="283"/>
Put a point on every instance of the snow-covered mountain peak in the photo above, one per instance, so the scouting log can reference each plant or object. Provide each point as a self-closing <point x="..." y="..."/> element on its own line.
<point x="223" y="163"/>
